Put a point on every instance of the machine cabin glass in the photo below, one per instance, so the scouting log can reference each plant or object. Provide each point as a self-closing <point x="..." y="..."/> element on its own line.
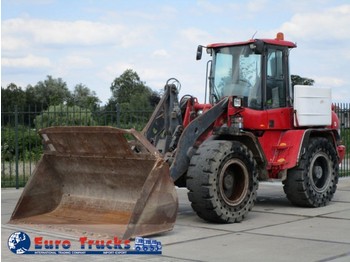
<point x="242" y="72"/>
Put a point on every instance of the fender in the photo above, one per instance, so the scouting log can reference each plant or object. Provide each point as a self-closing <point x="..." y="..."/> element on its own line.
<point x="250" y="141"/>
<point x="293" y="145"/>
<point x="330" y="134"/>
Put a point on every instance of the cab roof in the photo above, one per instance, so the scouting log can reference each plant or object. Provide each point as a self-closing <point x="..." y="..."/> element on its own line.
<point x="279" y="41"/>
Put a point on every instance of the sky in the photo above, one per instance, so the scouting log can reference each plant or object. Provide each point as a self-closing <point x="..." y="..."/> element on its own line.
<point x="91" y="42"/>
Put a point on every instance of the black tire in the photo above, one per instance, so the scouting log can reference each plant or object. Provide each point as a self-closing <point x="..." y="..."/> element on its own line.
<point x="222" y="181"/>
<point x="314" y="181"/>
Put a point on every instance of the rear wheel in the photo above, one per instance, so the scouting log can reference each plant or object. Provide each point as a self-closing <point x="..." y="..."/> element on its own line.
<point x="222" y="181"/>
<point x="314" y="181"/>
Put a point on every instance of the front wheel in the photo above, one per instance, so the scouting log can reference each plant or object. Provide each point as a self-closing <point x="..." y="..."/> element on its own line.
<point x="222" y="181"/>
<point x="314" y="181"/>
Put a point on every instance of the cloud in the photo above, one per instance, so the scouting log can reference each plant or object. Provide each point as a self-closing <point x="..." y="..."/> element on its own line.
<point x="163" y="12"/>
<point x="322" y="54"/>
<point x="210" y="7"/>
<point x="12" y="43"/>
<point x="246" y="7"/>
<point x="332" y="24"/>
<point x="329" y="81"/>
<point x="160" y="53"/>
<point x="74" y="61"/>
<point x="70" y="64"/>
<point x="29" y="61"/>
<point x="33" y="2"/>
<point x="256" y="5"/>
<point x="195" y="35"/>
<point x="53" y="33"/>
<point x="158" y="41"/>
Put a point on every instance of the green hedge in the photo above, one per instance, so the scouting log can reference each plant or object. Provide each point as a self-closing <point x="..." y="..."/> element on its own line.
<point x="29" y="143"/>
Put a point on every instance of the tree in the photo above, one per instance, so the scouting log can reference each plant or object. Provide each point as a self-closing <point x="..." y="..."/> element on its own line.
<point x="49" y="92"/>
<point x="132" y="101"/>
<point x="298" y="80"/>
<point x="83" y="97"/>
<point x="12" y="95"/>
<point x="130" y="93"/>
<point x="64" y="115"/>
<point x="127" y="85"/>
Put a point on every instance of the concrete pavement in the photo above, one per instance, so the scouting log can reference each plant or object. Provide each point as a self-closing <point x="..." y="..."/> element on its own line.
<point x="274" y="231"/>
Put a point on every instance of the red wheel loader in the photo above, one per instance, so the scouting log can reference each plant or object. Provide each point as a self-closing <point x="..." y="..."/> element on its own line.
<point x="256" y="126"/>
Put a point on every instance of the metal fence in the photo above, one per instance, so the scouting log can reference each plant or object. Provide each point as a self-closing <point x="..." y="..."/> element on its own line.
<point x="21" y="146"/>
<point x="343" y="112"/>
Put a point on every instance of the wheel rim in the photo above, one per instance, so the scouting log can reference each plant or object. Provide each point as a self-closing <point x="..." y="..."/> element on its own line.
<point x="233" y="182"/>
<point x="320" y="171"/>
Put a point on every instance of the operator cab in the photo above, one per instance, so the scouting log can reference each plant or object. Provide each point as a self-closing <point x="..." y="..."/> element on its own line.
<point x="255" y="70"/>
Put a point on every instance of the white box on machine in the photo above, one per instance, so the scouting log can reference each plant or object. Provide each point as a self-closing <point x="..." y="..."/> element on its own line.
<point x="312" y="105"/>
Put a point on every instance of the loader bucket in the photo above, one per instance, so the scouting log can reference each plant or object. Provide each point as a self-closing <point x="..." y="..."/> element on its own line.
<point x="95" y="180"/>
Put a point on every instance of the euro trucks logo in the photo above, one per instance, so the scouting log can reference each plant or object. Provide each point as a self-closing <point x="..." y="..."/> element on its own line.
<point x="20" y="243"/>
<point x="145" y="244"/>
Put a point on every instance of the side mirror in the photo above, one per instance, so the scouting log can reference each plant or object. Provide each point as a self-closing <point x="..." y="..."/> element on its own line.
<point x="199" y="52"/>
<point x="257" y="47"/>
